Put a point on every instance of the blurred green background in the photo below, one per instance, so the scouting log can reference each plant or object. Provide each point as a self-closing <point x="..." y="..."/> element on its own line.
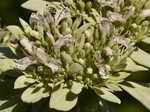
<point x="10" y="11"/>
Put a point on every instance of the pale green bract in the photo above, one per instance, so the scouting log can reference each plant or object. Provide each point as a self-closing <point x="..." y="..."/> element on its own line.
<point x="34" y="94"/>
<point x="23" y="81"/>
<point x="105" y="94"/>
<point x="6" y="65"/>
<point x="62" y="100"/>
<point x="140" y="92"/>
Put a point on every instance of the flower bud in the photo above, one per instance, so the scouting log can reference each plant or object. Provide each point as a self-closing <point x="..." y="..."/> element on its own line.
<point x="134" y="25"/>
<point x="66" y="57"/>
<point x="79" y="78"/>
<point x="40" y="69"/>
<point x="34" y="33"/>
<point x="88" y="45"/>
<point x="108" y="67"/>
<point x="68" y="2"/>
<point x="89" y="70"/>
<point x="95" y="76"/>
<point x="81" y="5"/>
<point x="108" y="51"/>
<point x="88" y="5"/>
<point x="145" y="13"/>
<point x="81" y="61"/>
<point x="75" y="68"/>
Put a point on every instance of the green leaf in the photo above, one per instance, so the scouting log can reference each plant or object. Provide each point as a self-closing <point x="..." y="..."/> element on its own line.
<point x="82" y="29"/>
<point x="61" y="99"/>
<point x="34" y="94"/>
<point x="35" y="5"/>
<point x="8" y="106"/>
<point x="75" y="68"/>
<point x="76" y="87"/>
<point x="25" y="26"/>
<point x="15" y="30"/>
<point x="6" y="65"/>
<point x="133" y="67"/>
<point x="119" y="77"/>
<point x="139" y="92"/>
<point x="23" y="81"/>
<point x="106" y="95"/>
<point x="113" y="87"/>
<point x="146" y="40"/>
<point x="9" y="98"/>
<point x="141" y="57"/>
<point x="76" y="23"/>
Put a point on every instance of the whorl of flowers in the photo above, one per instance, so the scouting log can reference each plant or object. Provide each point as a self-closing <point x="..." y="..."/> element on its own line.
<point x="76" y="45"/>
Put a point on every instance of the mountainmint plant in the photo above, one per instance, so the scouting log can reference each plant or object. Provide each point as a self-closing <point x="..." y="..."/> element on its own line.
<point x="71" y="46"/>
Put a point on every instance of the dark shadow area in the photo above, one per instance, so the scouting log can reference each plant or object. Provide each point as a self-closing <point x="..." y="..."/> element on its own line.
<point x="5" y="51"/>
<point x="10" y="11"/>
<point x="128" y="104"/>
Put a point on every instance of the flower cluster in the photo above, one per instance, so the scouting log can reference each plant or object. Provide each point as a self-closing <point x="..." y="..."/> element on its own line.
<point x="76" y="45"/>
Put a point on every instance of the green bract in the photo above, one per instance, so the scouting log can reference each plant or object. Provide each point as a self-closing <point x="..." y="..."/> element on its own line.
<point x="76" y="45"/>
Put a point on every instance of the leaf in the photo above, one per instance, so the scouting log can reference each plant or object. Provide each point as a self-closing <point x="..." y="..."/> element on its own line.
<point x="106" y="95"/>
<point x="76" y="87"/>
<point x="15" y="30"/>
<point x="113" y="87"/>
<point x="75" y="68"/>
<point x="9" y="98"/>
<point x="6" y="65"/>
<point x="82" y="29"/>
<point x="34" y="94"/>
<point x="23" y="81"/>
<point x="141" y="57"/>
<point x="35" y="5"/>
<point x="62" y="100"/>
<point x="25" y="26"/>
<point x="119" y="77"/>
<point x="133" y="67"/>
<point x="6" y="106"/>
<point x="12" y="105"/>
<point x="146" y="40"/>
<point x="77" y="23"/>
<point x="139" y="92"/>
<point x="96" y="15"/>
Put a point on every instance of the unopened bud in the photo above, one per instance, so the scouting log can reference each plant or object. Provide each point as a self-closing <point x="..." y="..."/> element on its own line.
<point x="81" y="5"/>
<point x="81" y="61"/>
<point x="108" y="67"/>
<point x="79" y="78"/>
<point x="145" y="13"/>
<point x="95" y="76"/>
<point x="88" y="45"/>
<point x="88" y="33"/>
<point x="34" y="33"/>
<point x="134" y="25"/>
<point x="89" y="70"/>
